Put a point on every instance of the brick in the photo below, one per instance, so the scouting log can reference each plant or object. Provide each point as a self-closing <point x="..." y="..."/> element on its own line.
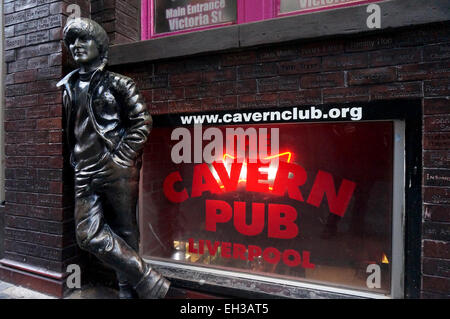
<point x="15" y="137"/>
<point x="436" y="231"/>
<point x="42" y="86"/>
<point x="322" y="48"/>
<point x="257" y="71"/>
<point x="34" y="237"/>
<point x="436" y="267"/>
<point x="303" y="97"/>
<point x="437" y="87"/>
<point x="258" y="100"/>
<point x="37" y="112"/>
<point x="15" y="42"/>
<point x="16" y="89"/>
<point x="202" y="91"/>
<point x="437" y="159"/>
<point x="438" y="284"/>
<point x="55" y="34"/>
<point x="229" y="88"/>
<point x="14" y="18"/>
<point x="126" y="8"/>
<point x="26" y="27"/>
<point x="10" y="55"/>
<point x="436" y="177"/>
<point x="354" y="94"/>
<point x="424" y="71"/>
<point x="37" y="37"/>
<point x="436" y="106"/>
<point x="50" y="200"/>
<point x="309" y="65"/>
<point x="227" y="74"/>
<point x="276" y="54"/>
<point x="8" y="8"/>
<point x="50" y="22"/>
<point x="36" y="137"/>
<point x="56" y="8"/>
<point x="25" y="76"/>
<point x="221" y="103"/>
<point x="50" y="98"/>
<point x="168" y="94"/>
<point x="49" y="174"/>
<point x="38" y="251"/>
<point x="55" y="59"/>
<point x="49" y="73"/>
<point x="395" y="56"/>
<point x="20" y="5"/>
<point x="420" y="35"/>
<point x="436" y="249"/>
<point x="193" y="78"/>
<point x="158" y="108"/>
<point x="9" y="79"/>
<point x="372" y="76"/>
<point x="49" y="124"/>
<point x="436" y="52"/>
<point x="369" y="43"/>
<point x="55" y="137"/>
<point x="436" y="195"/>
<point x="284" y="83"/>
<point x="17" y="66"/>
<point x="433" y="295"/>
<point x="322" y="80"/>
<point x="184" y="106"/>
<point x="437" y="213"/>
<point x="37" y="12"/>
<point x="37" y="62"/>
<point x="436" y="141"/>
<point x="396" y="90"/>
<point x="439" y="123"/>
<point x="233" y="59"/>
<point x="246" y="86"/>
<point x="345" y="62"/>
<point x="44" y="162"/>
<point x="24" y="173"/>
<point x="14" y="114"/>
<point x="9" y="32"/>
<point x="25" y="100"/>
<point x="17" y="161"/>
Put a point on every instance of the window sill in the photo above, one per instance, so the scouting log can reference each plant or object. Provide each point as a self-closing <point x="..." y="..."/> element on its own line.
<point x="395" y="14"/>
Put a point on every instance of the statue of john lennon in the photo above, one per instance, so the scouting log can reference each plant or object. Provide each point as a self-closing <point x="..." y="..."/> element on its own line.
<point x="107" y="124"/>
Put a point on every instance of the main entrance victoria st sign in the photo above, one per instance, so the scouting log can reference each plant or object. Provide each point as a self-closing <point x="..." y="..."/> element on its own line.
<point x="179" y="15"/>
<point x="302" y="193"/>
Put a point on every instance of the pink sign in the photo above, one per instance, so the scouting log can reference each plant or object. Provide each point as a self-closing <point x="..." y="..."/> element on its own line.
<point x="169" y="17"/>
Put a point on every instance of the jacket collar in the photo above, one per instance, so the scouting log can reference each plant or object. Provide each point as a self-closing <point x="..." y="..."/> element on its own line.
<point x="65" y="81"/>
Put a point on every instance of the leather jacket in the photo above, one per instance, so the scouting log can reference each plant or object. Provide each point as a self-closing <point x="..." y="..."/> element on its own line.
<point x="117" y="111"/>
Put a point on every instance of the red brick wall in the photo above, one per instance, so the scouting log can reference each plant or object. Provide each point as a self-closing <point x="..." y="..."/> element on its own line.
<point x="409" y="63"/>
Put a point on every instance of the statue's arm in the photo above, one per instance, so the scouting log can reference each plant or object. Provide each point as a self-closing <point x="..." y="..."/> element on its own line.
<point x="136" y="119"/>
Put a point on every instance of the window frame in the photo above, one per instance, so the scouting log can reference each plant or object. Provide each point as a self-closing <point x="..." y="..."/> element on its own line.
<point x="247" y="11"/>
<point x="406" y="240"/>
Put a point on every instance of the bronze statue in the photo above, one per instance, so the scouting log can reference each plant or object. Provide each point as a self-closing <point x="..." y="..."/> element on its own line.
<point x="107" y="124"/>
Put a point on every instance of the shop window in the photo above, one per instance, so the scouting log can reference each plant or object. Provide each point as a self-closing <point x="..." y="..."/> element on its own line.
<point x="325" y="207"/>
<point x="169" y="17"/>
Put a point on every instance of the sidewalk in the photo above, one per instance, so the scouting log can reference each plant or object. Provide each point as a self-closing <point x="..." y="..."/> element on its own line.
<point x="10" y="291"/>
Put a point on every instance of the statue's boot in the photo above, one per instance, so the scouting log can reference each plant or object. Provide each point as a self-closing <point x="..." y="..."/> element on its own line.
<point x="152" y="285"/>
<point x="126" y="291"/>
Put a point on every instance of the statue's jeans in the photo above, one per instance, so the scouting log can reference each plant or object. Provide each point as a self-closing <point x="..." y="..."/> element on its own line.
<point x="106" y="195"/>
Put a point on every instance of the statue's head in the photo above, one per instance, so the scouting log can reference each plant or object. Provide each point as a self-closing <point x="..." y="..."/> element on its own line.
<point x="86" y="40"/>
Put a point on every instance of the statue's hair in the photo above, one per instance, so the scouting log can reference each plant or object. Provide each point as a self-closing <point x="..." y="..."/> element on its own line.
<point x="83" y="27"/>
